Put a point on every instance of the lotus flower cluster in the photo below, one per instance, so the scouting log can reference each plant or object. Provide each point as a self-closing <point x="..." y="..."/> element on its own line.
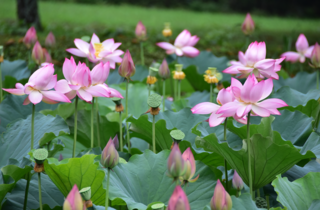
<point x="221" y="200"/>
<point x="74" y="200"/>
<point x="109" y="156"/>
<point x="178" y="200"/>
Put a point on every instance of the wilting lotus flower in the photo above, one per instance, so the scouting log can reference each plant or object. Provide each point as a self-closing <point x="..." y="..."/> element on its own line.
<point x="38" y="54"/>
<point x="141" y="31"/>
<point x="96" y="51"/>
<point x="31" y="37"/>
<point x="50" y="40"/>
<point x="38" y="88"/>
<point x="74" y="200"/>
<point x="225" y="96"/>
<point x="249" y="98"/>
<point x="164" y="70"/>
<point x="221" y="200"/>
<point x="127" y="68"/>
<point x="237" y="181"/>
<point x="303" y="50"/>
<point x="247" y="25"/>
<point x="176" y="165"/>
<point x="315" y="56"/>
<point x="109" y="156"/>
<point x="116" y="142"/>
<point x="183" y="45"/>
<point x="178" y="200"/>
<point x="191" y="166"/>
<point x="254" y="62"/>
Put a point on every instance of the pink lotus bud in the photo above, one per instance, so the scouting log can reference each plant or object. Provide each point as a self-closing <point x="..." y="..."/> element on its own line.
<point x="60" y="157"/>
<point x="164" y="70"/>
<point x="221" y="200"/>
<point x="190" y="165"/>
<point x="127" y="68"/>
<point x="47" y="56"/>
<point x="50" y="40"/>
<point x="38" y="54"/>
<point x="109" y="156"/>
<point x="178" y="200"/>
<point x="247" y="25"/>
<point x="237" y="181"/>
<point x="31" y="37"/>
<point x="176" y="164"/>
<point x="73" y="200"/>
<point x="141" y="31"/>
<point x="116" y="141"/>
<point x="315" y="56"/>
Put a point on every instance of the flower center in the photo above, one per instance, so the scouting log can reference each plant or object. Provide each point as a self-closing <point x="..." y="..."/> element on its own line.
<point x="98" y="47"/>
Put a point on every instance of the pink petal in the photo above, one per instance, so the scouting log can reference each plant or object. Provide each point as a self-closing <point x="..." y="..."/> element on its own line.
<point x="241" y="120"/>
<point x="272" y="103"/>
<point x="309" y="51"/>
<point x="115" y="46"/>
<point x="215" y="119"/>
<point x="62" y="86"/>
<point x="247" y="87"/>
<point x="52" y="83"/>
<point x="113" y="92"/>
<point x="166" y="45"/>
<point x="224" y="97"/>
<point x="97" y="91"/>
<point x="76" y="52"/>
<point x="205" y="108"/>
<point x="243" y="110"/>
<point x="95" y="39"/>
<point x="242" y="58"/>
<point x="190" y="51"/>
<point x="55" y="96"/>
<point x="82" y="45"/>
<point x="264" y="64"/>
<point x="35" y="97"/>
<point x="229" y="109"/>
<point x="70" y="95"/>
<point x="236" y="83"/>
<point x="178" y="52"/>
<point x="42" y="77"/>
<point x="19" y="86"/>
<point x="49" y="101"/>
<point x="251" y="53"/>
<point x="267" y="89"/>
<point x="257" y="91"/>
<point x="68" y="68"/>
<point x="193" y="41"/>
<point x="260" y="111"/>
<point x="302" y="43"/>
<point x="26" y="101"/>
<point x="84" y="95"/>
<point x="236" y="93"/>
<point x="291" y="56"/>
<point x="100" y="73"/>
<point x="182" y="39"/>
<point x="232" y="70"/>
<point x="262" y="50"/>
<point x="18" y="92"/>
<point x="107" y="44"/>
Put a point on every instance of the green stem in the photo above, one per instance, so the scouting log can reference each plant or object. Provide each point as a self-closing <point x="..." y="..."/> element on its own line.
<point x="92" y="111"/>
<point x="258" y="193"/>
<point x="127" y="124"/>
<point x="225" y="161"/>
<point x="172" y="87"/>
<point x="268" y="202"/>
<point x="75" y="126"/>
<point x="179" y="89"/>
<point x="301" y="69"/>
<point x="175" y="89"/>
<point x="107" y="190"/>
<point x="211" y="92"/>
<point x="32" y="125"/>
<point x="249" y="155"/>
<point x="149" y="87"/>
<point x="154" y="134"/>
<point x="317" y="79"/>
<point x="40" y="196"/>
<point x="141" y="53"/>
<point x="26" y="192"/>
<point x="163" y="95"/>
<point x="121" y="140"/>
<point x="237" y="193"/>
<point x="0" y="83"/>
<point x="98" y="122"/>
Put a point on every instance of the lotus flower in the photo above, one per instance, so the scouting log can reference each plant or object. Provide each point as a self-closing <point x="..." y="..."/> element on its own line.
<point x="109" y="156"/>
<point x="249" y="98"/>
<point x="50" y="40"/>
<point x="38" y="88"/>
<point x="254" y="62"/>
<point x="176" y="165"/>
<point x="116" y="141"/>
<point x="247" y="25"/>
<point x="183" y="45"/>
<point x="221" y="200"/>
<point x="96" y="51"/>
<point x="141" y="31"/>
<point x="303" y="51"/>
<point x="127" y="68"/>
<point x="74" y="200"/>
<point x="178" y="200"/>
<point x="225" y="96"/>
<point x="237" y="181"/>
<point x="38" y="54"/>
<point x="191" y="166"/>
<point x="164" y="70"/>
<point x="315" y="56"/>
<point x="31" y="37"/>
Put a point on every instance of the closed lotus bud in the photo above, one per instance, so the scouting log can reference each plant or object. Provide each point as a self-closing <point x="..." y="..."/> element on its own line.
<point x="47" y="56"/>
<point x="60" y="157"/>
<point x="221" y="200"/>
<point x="190" y="165"/>
<point x="127" y="68"/>
<point x="141" y="31"/>
<point x="50" y="40"/>
<point x="73" y="200"/>
<point x="38" y="54"/>
<point x="237" y="182"/>
<point x="248" y="25"/>
<point x="116" y="141"/>
<point x="164" y="70"/>
<point x="109" y="156"/>
<point x="178" y="200"/>
<point x="166" y="32"/>
<point x="176" y="164"/>
<point x="31" y="37"/>
<point x="315" y="56"/>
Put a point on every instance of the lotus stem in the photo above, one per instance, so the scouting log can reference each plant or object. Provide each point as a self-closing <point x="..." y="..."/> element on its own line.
<point x="249" y="155"/>
<point x="107" y="190"/>
<point x="225" y="161"/>
<point x="172" y="87"/>
<point x="141" y="53"/>
<point x="318" y="79"/>
<point x="149" y="87"/>
<point x="127" y="124"/>
<point x="301" y="69"/>
<point x="75" y="127"/>
<point x="163" y="94"/>
<point x="211" y="92"/>
<point x="268" y="202"/>
<point x="26" y="192"/>
<point x="154" y="134"/>
<point x="237" y="193"/>
<point x="121" y="140"/>
<point x="258" y="193"/>
<point x="40" y="196"/>
<point x="98" y="122"/>
<point x="179" y="89"/>
<point x="92" y="111"/>
<point x="32" y="125"/>
<point x="0" y="84"/>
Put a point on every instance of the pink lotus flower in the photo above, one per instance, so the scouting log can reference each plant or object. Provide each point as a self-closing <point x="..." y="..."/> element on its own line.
<point x="247" y="25"/>
<point x="98" y="52"/>
<point x="303" y="51"/>
<point x="176" y="165"/>
<point x="31" y="37"/>
<point x="38" y="54"/>
<point x="249" y="98"/>
<point x="74" y="200"/>
<point x="178" y="200"/>
<point x="237" y="182"/>
<point x="191" y="166"/>
<point x="254" y="62"/>
<point x="315" y="56"/>
<point x="221" y="200"/>
<point x="164" y="70"/>
<point x="225" y="96"/>
<point x="38" y="88"/>
<point x="141" y="31"/>
<point x="109" y="156"/>
<point x="47" y="57"/>
<point x="127" y="68"/>
<point x="183" y="45"/>
<point x="50" y="40"/>
<point x="116" y="141"/>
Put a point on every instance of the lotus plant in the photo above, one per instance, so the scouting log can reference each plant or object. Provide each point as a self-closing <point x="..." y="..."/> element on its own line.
<point x="221" y="200"/>
<point x="176" y="164"/>
<point x="31" y="37"/>
<point x="315" y="60"/>
<point x="237" y="182"/>
<point x="248" y="25"/>
<point x="164" y="73"/>
<point x="141" y="34"/>
<point x="178" y="200"/>
<point x="191" y="167"/>
<point x="74" y="200"/>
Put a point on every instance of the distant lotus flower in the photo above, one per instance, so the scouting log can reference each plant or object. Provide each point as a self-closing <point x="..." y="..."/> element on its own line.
<point x="183" y="45"/>
<point x="50" y="40"/>
<point x="249" y="98"/>
<point x="254" y="62"/>
<point x="31" y="37"/>
<point x="127" y="68"/>
<point x="164" y="70"/>
<point x="74" y="200"/>
<point x="237" y="181"/>
<point x="109" y="156"/>
<point x="96" y="51"/>
<point x="303" y="51"/>
<point x="38" y="54"/>
<point x="141" y="31"/>
<point x="176" y="165"/>
<point x="116" y="141"/>
<point x="221" y="200"/>
<point x="248" y="25"/>
<point x="178" y="200"/>
<point x="315" y="56"/>
<point x="191" y="166"/>
<point x="38" y="88"/>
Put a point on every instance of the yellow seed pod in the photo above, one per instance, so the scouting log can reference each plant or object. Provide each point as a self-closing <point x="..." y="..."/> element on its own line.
<point x="151" y="80"/>
<point x="179" y="75"/>
<point x="212" y="76"/>
<point x="210" y="79"/>
<point x="166" y="32"/>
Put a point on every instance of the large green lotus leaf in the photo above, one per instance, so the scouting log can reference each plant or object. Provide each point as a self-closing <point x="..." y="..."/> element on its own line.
<point x="80" y="171"/>
<point x="312" y="144"/>
<point x="51" y="196"/>
<point x="297" y="172"/>
<point x="143" y="180"/>
<point x="141" y="73"/>
<point x="64" y="110"/>
<point x="311" y="109"/>
<point x="315" y="205"/>
<point x="67" y="143"/>
<point x="17" y="69"/>
<point x="271" y="155"/>
<point x="198" y="97"/>
<point x="299" y="194"/>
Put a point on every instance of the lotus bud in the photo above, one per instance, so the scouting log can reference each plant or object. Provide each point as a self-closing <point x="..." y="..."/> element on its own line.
<point x="50" y="40"/>
<point x="109" y="156"/>
<point x="38" y="54"/>
<point x="178" y="200"/>
<point x="166" y="32"/>
<point x="60" y="157"/>
<point x="248" y="25"/>
<point x="176" y="164"/>
<point x="190" y="165"/>
<point x="164" y="70"/>
<point x="47" y="56"/>
<point x="221" y="200"/>
<point x="31" y="37"/>
<point x="73" y="200"/>
<point x="141" y="31"/>
<point x="315" y="56"/>
<point x="127" y="68"/>
<point x="237" y="182"/>
<point x="116" y="141"/>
